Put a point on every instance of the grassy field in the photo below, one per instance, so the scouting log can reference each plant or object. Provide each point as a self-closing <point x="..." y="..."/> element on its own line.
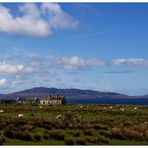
<point x="73" y="125"/>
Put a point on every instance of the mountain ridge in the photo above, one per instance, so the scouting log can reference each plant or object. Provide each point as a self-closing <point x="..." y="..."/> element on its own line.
<point x="68" y="93"/>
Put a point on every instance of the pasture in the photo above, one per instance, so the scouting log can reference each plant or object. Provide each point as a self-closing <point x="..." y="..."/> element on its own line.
<point x="73" y="125"/>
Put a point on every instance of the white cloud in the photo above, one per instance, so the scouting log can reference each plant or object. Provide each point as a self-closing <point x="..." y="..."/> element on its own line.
<point x="13" y="69"/>
<point x="75" y="62"/>
<point x="2" y="82"/>
<point x="131" y="62"/>
<point x="57" y="17"/>
<point x="32" y="22"/>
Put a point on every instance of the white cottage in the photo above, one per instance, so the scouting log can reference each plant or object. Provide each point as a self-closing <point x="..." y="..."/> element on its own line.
<point x="52" y="100"/>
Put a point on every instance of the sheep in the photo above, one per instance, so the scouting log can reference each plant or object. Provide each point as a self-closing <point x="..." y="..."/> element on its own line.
<point x="58" y="116"/>
<point x="20" y="115"/>
<point x="135" y="108"/>
<point x="122" y="109"/>
<point x="1" y="111"/>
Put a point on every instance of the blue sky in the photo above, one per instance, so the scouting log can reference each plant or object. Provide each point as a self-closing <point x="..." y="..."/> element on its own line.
<point x="99" y="46"/>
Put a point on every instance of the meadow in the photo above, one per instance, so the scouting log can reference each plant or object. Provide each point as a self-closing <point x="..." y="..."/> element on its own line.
<point x="73" y="125"/>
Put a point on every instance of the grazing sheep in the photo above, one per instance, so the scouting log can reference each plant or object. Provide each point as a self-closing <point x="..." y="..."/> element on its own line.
<point x="122" y="109"/>
<point x="58" y="116"/>
<point x="81" y="106"/>
<point x="1" y="111"/>
<point x="111" y="107"/>
<point x="20" y="115"/>
<point x="135" y="108"/>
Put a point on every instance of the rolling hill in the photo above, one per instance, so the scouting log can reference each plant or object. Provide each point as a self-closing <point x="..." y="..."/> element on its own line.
<point x="68" y="93"/>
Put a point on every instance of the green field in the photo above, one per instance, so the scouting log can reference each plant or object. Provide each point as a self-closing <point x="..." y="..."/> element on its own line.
<point x="73" y="125"/>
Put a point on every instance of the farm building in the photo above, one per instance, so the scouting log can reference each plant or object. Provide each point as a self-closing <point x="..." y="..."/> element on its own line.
<point x="27" y="100"/>
<point x="46" y="100"/>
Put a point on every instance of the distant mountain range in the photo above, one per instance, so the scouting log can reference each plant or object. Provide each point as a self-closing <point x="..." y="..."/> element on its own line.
<point x="68" y="93"/>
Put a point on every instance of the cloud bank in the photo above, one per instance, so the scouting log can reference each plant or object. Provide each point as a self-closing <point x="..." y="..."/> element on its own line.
<point x="36" y="21"/>
<point x="75" y="62"/>
<point x="14" y="69"/>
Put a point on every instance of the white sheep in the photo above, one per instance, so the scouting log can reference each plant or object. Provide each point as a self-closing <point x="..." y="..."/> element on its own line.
<point x="1" y="111"/>
<point x="20" y="115"/>
<point x="81" y="106"/>
<point x="58" y="116"/>
<point x="122" y="109"/>
<point x="135" y="108"/>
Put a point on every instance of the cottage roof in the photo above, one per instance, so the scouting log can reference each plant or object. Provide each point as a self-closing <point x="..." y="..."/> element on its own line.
<point x="23" y="98"/>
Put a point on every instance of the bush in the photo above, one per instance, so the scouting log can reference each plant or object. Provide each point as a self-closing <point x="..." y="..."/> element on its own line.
<point x="145" y="134"/>
<point x="106" y="134"/>
<point x="8" y="132"/>
<point x="26" y="127"/>
<point x="69" y="141"/>
<point x="101" y="139"/>
<point x="46" y="136"/>
<point x="91" y="139"/>
<point x="2" y="140"/>
<point x="48" y="126"/>
<point x="76" y="133"/>
<point x="56" y="134"/>
<point x="87" y="132"/>
<point x="100" y="126"/>
<point x="37" y="137"/>
<point x="117" y="134"/>
<point x="81" y="141"/>
<point x="131" y="134"/>
<point x="25" y="135"/>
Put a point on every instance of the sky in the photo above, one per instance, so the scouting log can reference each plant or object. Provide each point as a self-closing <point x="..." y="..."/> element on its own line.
<point x="98" y="46"/>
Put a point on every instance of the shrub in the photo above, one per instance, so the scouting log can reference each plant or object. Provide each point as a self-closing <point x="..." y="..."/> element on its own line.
<point x="87" y="132"/>
<point x="25" y="135"/>
<point x="69" y="141"/>
<point x="26" y="127"/>
<point x="106" y="133"/>
<point x="145" y="134"/>
<point x="131" y="134"/>
<point x="8" y="132"/>
<point x="48" y="126"/>
<point x="101" y="139"/>
<point x="46" y="136"/>
<point x="91" y="139"/>
<point x="56" y="134"/>
<point x="76" y="133"/>
<point x="37" y="137"/>
<point x="2" y="140"/>
<point x="117" y="134"/>
<point x="81" y="141"/>
<point x="100" y="126"/>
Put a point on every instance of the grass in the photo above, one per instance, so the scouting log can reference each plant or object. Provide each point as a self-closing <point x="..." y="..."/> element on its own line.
<point x="87" y="125"/>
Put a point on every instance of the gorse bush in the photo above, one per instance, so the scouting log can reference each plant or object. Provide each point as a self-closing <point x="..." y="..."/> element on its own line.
<point x="2" y="140"/>
<point x="145" y="133"/>
<point x="25" y="135"/>
<point x="69" y="141"/>
<point x="37" y="137"/>
<point x="76" y="133"/>
<point x="8" y="132"/>
<point x="101" y="139"/>
<point x="81" y="141"/>
<point x="46" y="136"/>
<point x="56" y="134"/>
<point x="87" y="132"/>
<point x="100" y="126"/>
